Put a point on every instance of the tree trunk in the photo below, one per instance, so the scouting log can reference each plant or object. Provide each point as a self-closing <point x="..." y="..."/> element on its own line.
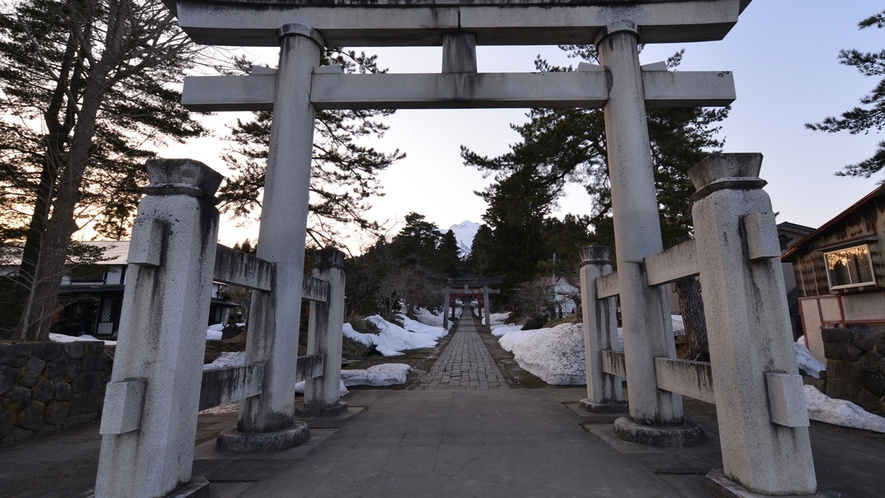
<point x="42" y="302"/>
<point x="692" y="308"/>
<point x="59" y="118"/>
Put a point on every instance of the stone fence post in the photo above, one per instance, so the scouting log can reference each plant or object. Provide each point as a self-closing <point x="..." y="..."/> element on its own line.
<point x="760" y="402"/>
<point x="151" y="404"/>
<point x="324" y="336"/>
<point x="604" y="391"/>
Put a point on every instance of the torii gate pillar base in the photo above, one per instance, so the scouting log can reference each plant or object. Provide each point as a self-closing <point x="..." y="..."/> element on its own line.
<point x="316" y="411"/>
<point x="611" y="407"/>
<point x="233" y="441"/>
<point x="686" y="435"/>
<point x="719" y="486"/>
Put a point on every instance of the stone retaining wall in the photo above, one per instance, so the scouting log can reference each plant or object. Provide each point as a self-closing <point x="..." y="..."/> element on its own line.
<point x="47" y="386"/>
<point x="856" y="366"/>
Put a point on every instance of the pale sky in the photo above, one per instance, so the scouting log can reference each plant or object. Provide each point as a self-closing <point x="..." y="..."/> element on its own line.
<point x="783" y="54"/>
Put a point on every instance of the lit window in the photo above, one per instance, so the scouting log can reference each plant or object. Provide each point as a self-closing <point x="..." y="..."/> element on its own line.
<point x="850" y="267"/>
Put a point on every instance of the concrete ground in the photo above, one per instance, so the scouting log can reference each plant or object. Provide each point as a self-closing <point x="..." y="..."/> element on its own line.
<point x="459" y="441"/>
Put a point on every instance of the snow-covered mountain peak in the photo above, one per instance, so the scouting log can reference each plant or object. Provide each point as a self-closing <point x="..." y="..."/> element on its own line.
<point x="464" y="233"/>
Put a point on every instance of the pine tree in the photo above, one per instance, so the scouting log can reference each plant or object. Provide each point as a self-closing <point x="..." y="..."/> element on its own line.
<point x="86" y="94"/>
<point x="870" y="115"/>
<point x="568" y="145"/>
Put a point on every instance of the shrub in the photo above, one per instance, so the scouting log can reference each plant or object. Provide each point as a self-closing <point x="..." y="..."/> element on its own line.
<point x="534" y="322"/>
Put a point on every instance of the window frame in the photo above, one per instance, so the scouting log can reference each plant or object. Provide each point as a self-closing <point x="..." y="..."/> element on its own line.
<point x="868" y="283"/>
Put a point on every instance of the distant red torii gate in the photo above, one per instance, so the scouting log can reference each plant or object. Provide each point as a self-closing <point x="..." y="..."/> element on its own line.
<point x="480" y="288"/>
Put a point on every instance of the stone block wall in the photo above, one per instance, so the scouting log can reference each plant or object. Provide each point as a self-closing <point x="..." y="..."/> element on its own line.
<point x="48" y="386"/>
<point x="856" y="366"/>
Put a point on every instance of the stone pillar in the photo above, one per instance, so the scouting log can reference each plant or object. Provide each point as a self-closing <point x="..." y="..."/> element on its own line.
<point x="486" y="307"/>
<point x="275" y="315"/>
<point x="760" y="401"/>
<point x="604" y="391"/>
<point x="645" y="311"/>
<point x="324" y="336"/>
<point x="151" y="404"/>
<point x="446" y="302"/>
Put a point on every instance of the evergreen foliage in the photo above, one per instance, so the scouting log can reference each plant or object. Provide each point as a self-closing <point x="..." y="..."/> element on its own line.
<point x="344" y="173"/>
<point x="568" y="145"/>
<point x="87" y="95"/>
<point x="409" y="269"/>
<point x="870" y="115"/>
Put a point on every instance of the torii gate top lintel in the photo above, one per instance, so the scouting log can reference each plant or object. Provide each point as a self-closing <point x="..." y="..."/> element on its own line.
<point x="423" y="22"/>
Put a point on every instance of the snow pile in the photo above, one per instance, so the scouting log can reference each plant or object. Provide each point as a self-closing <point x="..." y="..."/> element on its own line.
<point x="499" y="318"/>
<point x="807" y="363"/>
<point x="388" y="374"/>
<point x="213" y="333"/>
<point x="502" y="329"/>
<point x="227" y="359"/>
<point x="428" y="317"/>
<point x="840" y="412"/>
<point x="555" y="355"/>
<point x="421" y="328"/>
<point x="69" y="338"/>
<point x="678" y="325"/>
<point x="393" y="339"/>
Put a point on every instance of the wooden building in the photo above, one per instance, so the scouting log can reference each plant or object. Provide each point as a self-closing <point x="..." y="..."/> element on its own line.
<point x="840" y="271"/>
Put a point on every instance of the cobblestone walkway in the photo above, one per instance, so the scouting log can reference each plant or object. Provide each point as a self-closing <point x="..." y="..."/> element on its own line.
<point x="465" y="363"/>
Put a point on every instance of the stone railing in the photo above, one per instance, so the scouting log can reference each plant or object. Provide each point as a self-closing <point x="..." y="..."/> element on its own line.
<point x="45" y="387"/>
<point x="158" y="384"/>
<point x="856" y="366"/>
<point x="753" y="375"/>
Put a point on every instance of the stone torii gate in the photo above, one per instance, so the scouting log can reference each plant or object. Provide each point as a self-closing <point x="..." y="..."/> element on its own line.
<point x="620" y="86"/>
<point x="478" y="287"/>
<point x="623" y="88"/>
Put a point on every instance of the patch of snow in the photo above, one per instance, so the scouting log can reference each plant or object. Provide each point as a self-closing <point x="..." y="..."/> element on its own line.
<point x="428" y="317"/>
<point x="213" y="333"/>
<point x="392" y="339"/>
<point x="388" y="374"/>
<point x="420" y="328"/>
<point x="807" y="363"/>
<point x="678" y="325"/>
<point x="555" y="355"/>
<point x="499" y="318"/>
<point x="227" y="359"/>
<point x="367" y="340"/>
<point x="69" y="338"/>
<point x="502" y="329"/>
<point x="840" y="412"/>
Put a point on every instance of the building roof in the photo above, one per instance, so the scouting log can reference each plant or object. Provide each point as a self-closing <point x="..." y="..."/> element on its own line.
<point x="115" y="251"/>
<point x="880" y="190"/>
<point x="793" y="227"/>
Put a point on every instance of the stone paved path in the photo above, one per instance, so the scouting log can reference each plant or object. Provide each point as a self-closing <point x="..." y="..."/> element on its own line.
<point x="465" y="363"/>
